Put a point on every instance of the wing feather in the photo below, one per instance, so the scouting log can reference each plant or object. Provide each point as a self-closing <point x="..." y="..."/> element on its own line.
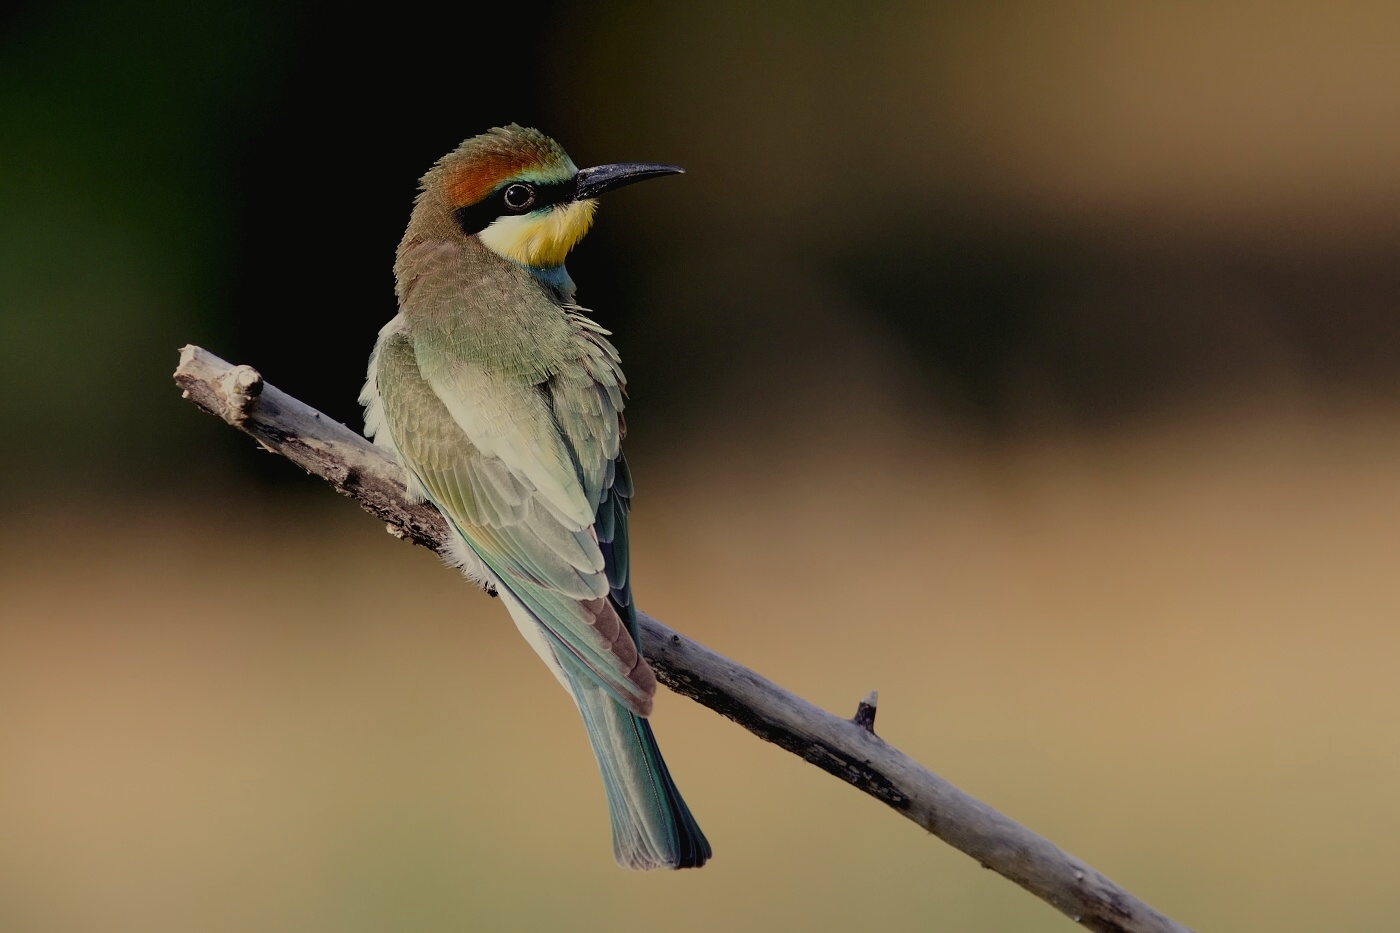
<point x="523" y="471"/>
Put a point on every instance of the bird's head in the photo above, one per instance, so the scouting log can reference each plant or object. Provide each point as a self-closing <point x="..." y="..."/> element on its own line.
<point x="516" y="190"/>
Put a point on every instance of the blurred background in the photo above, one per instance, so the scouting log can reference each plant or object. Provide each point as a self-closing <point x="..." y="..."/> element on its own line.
<point x="1033" y="363"/>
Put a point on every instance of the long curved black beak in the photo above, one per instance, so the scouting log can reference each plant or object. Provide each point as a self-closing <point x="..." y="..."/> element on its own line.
<point x="591" y="182"/>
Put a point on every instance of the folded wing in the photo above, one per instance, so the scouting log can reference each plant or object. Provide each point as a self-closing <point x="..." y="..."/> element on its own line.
<point x="523" y="470"/>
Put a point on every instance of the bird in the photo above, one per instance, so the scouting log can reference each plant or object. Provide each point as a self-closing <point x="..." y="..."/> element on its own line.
<point x="502" y="399"/>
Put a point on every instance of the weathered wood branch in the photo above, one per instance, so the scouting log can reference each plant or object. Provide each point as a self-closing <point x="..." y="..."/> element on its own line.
<point x="848" y="749"/>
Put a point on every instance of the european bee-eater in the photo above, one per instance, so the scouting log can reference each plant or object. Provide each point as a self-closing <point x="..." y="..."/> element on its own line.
<point x="502" y="399"/>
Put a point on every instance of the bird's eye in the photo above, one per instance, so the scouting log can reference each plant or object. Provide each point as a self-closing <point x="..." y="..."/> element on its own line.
<point x="518" y="197"/>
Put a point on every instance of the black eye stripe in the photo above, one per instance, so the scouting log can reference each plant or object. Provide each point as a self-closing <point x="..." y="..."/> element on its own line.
<point x="557" y="193"/>
<point x="475" y="218"/>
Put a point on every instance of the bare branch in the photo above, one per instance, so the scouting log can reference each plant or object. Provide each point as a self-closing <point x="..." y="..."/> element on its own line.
<point x="846" y="748"/>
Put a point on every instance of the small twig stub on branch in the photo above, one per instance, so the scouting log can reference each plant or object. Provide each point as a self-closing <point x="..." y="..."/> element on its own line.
<point x="845" y="748"/>
<point x="865" y="712"/>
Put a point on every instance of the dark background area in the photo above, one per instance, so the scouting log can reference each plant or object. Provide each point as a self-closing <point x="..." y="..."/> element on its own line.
<point x="238" y="175"/>
<point x="260" y="161"/>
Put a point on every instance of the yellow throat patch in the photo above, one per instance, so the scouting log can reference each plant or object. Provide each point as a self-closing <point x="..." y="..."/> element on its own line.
<point x="542" y="239"/>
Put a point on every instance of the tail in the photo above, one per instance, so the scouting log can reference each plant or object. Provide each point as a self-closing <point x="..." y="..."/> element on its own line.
<point x="652" y="827"/>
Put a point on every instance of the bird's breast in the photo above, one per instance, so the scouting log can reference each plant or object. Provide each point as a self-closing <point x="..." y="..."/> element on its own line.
<point x="462" y="303"/>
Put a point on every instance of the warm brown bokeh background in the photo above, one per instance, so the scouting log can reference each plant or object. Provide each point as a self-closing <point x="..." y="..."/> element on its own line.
<point x="1032" y="363"/>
